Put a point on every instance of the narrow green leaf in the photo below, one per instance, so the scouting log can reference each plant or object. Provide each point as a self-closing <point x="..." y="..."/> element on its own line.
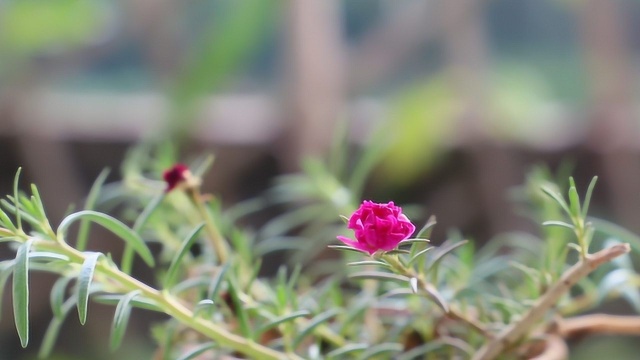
<point x="425" y="232"/>
<point x="398" y="292"/>
<point x="574" y="199"/>
<point x="51" y="334"/>
<point x="442" y="251"/>
<point x="214" y="287"/>
<point x="379" y="349"/>
<point x="21" y="292"/>
<point x="146" y="213"/>
<point x="558" y="223"/>
<point x="368" y="263"/>
<point x="37" y="205"/>
<point x="16" y="201"/>
<point x="113" y="225"/>
<point x="344" y="218"/>
<point x="419" y="254"/>
<point x="412" y="241"/>
<point x="282" y="319"/>
<point x="240" y="310"/>
<point x="557" y="197"/>
<point x="5" y="271"/>
<point x="314" y="323"/>
<point x="121" y="320"/>
<point x="433" y="346"/>
<point x="203" y="305"/>
<point x="203" y="165"/>
<point x="347" y="349"/>
<point x="139" y="302"/>
<point x="378" y="275"/>
<point x="89" y="204"/>
<point x="23" y="215"/>
<point x="177" y="259"/>
<point x="58" y="292"/>
<point x="198" y="350"/>
<point x="346" y="248"/>
<point x="587" y="197"/>
<point x="6" y="222"/>
<point x="138" y="225"/>
<point x="84" y="281"/>
<point x="47" y="256"/>
<point x="437" y="298"/>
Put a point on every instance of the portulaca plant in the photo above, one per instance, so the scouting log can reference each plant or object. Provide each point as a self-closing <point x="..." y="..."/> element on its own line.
<point x="385" y="292"/>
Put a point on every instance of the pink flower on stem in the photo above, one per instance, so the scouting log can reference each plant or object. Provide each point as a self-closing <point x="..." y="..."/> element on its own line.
<point x="378" y="227"/>
<point x="176" y="175"/>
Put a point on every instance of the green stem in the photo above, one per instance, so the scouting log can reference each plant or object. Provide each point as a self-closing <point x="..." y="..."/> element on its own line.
<point x="217" y="241"/>
<point x="172" y="307"/>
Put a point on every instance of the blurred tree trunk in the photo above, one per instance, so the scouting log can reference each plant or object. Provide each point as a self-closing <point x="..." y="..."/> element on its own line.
<point x="613" y="128"/>
<point x="315" y="68"/>
<point x="495" y="166"/>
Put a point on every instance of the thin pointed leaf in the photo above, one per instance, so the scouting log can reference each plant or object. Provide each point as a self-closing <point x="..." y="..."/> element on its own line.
<point x="558" y="223"/>
<point x="198" y="350"/>
<point x="6" y="221"/>
<point x="139" y="302"/>
<point x="114" y="225"/>
<point x="240" y="310"/>
<point x="425" y="232"/>
<point x="315" y="322"/>
<point x="557" y="197"/>
<point x="368" y="263"/>
<point x="4" y="276"/>
<point x="282" y="319"/>
<point x="141" y="221"/>
<point x="347" y="349"/>
<point x="84" y="282"/>
<point x="51" y="334"/>
<point x="21" y="292"/>
<point x="177" y="259"/>
<point x="36" y="200"/>
<point x="214" y="287"/>
<point x="89" y="204"/>
<point x="379" y="349"/>
<point x="121" y="320"/>
<point x="47" y="256"/>
<point x="413" y="283"/>
<point x="443" y="251"/>
<point x="15" y="196"/>
<point x="379" y="275"/>
<point x="57" y="295"/>
<point x="418" y="254"/>
<point x="412" y="241"/>
<point x="346" y="248"/>
<point x="138" y="225"/>
<point x="587" y="197"/>
<point x="202" y="305"/>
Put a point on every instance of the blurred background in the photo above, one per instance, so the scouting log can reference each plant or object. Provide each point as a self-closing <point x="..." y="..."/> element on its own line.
<point x="469" y="94"/>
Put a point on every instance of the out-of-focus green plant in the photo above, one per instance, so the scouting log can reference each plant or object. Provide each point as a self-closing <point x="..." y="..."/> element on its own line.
<point x="518" y="296"/>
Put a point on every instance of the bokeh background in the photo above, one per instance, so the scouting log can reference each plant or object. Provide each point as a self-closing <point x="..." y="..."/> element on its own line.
<point x="470" y="93"/>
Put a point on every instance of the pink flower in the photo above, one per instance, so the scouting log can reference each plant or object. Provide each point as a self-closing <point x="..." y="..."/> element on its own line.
<point x="378" y="227"/>
<point x="175" y="176"/>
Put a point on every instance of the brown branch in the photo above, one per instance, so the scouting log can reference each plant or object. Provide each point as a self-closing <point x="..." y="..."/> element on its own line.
<point x="516" y="330"/>
<point x="598" y="323"/>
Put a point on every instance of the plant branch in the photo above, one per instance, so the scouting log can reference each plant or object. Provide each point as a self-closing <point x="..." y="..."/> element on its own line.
<point x="516" y="330"/>
<point x="172" y="306"/>
<point x="598" y="323"/>
<point x="217" y="241"/>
